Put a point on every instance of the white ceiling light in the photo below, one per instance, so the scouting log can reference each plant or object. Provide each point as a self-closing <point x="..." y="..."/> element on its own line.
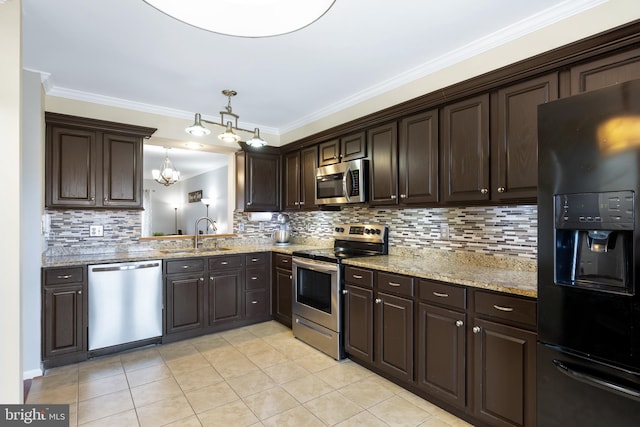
<point x="168" y="174"/>
<point x="245" y="18"/>
<point x="197" y="129"/>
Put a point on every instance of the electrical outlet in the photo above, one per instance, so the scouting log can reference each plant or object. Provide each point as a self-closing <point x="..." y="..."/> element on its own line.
<point x="96" y="231"/>
<point x="444" y="231"/>
<point x="241" y="227"/>
<point x="261" y="226"/>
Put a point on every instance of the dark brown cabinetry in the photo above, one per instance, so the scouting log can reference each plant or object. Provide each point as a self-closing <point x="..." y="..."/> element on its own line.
<point x="300" y="179"/>
<point x="282" y="295"/>
<point x="465" y="150"/>
<point x="358" y="337"/>
<point x="184" y="287"/>
<point x="383" y="164"/>
<point x="92" y="163"/>
<point x="63" y="315"/>
<point x="257" y="286"/>
<point x="504" y="359"/>
<point x="350" y="147"/>
<point x="257" y="181"/>
<point x="605" y="71"/>
<point x="514" y="144"/>
<point x="225" y="290"/>
<point x="441" y="341"/>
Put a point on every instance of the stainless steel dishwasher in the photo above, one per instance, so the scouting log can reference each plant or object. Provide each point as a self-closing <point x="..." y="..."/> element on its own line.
<point x="125" y="303"/>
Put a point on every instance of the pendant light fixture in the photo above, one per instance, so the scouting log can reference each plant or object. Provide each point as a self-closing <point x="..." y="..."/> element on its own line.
<point x="229" y="136"/>
<point x="245" y="18"/>
<point x="168" y="174"/>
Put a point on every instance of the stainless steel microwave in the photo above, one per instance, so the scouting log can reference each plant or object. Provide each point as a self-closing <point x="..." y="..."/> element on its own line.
<point x="342" y="183"/>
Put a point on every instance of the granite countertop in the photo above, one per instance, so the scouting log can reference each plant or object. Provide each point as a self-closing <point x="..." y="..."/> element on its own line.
<point x="454" y="270"/>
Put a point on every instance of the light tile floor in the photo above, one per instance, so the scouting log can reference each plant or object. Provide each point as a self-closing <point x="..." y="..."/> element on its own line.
<point x="258" y="375"/>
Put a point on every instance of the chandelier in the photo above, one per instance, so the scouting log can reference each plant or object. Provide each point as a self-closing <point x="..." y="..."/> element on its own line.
<point x="245" y="18"/>
<point x="229" y="136"/>
<point x="167" y="174"/>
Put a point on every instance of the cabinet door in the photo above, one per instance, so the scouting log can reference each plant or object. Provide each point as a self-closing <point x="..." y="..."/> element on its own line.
<point x="184" y="303"/>
<point x="262" y="182"/>
<point x="358" y="336"/>
<point x="504" y="360"/>
<point x="605" y="72"/>
<point x="418" y="158"/>
<point x="292" y="181"/>
<point x="225" y="297"/>
<point x="465" y="150"/>
<point x="353" y="147"/>
<point x="514" y="163"/>
<point x="71" y="167"/>
<point x="308" y="162"/>
<point x="441" y="353"/>
<point x="121" y="171"/>
<point x="282" y="299"/>
<point x="63" y="325"/>
<point x="329" y="152"/>
<point x="383" y="168"/>
<point x="256" y="304"/>
<point x="394" y="335"/>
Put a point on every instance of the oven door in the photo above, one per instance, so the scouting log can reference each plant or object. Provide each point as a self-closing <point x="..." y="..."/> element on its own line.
<point x="316" y="286"/>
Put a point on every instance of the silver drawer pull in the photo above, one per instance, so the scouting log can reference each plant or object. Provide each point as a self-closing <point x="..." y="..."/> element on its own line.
<point x="185" y="266"/>
<point x="254" y="302"/>
<point x="378" y="300"/>
<point x="440" y="294"/>
<point x="66" y="276"/>
<point x="254" y="278"/>
<point x="285" y="261"/>
<point x="394" y="284"/>
<point x="254" y="260"/>
<point x="224" y="263"/>
<point x="501" y="308"/>
<point x="357" y="276"/>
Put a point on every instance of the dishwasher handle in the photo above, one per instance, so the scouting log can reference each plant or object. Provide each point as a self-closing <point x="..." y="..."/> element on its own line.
<point x="126" y="267"/>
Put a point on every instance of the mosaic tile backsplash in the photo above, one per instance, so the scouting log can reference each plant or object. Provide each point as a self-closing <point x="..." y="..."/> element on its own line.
<point x="494" y="231"/>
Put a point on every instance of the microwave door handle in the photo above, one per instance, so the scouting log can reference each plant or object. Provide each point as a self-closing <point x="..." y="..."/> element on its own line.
<point x="347" y="191"/>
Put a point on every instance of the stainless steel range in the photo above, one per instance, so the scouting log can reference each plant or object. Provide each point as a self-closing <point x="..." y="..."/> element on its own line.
<point x="318" y="283"/>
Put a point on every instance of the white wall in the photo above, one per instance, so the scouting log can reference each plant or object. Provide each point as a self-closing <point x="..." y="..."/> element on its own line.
<point x="32" y="208"/>
<point x="10" y="119"/>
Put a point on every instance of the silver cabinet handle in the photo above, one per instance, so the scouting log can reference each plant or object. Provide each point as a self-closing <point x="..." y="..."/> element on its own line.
<point x="66" y="276"/>
<point x="254" y="277"/>
<point x="476" y="329"/>
<point x="79" y="292"/>
<point x="393" y="197"/>
<point x="394" y="284"/>
<point x="440" y="294"/>
<point x="285" y="261"/>
<point x="484" y="191"/>
<point x="290" y="276"/>
<point x="357" y="276"/>
<point x="296" y="203"/>
<point x="224" y="263"/>
<point x="301" y="203"/>
<point x="254" y="302"/>
<point x="344" y="292"/>
<point x="254" y="260"/>
<point x="378" y="300"/>
<point x="459" y="323"/>
<point x="185" y="266"/>
<point x="501" y="308"/>
<point x="249" y="203"/>
<point x="403" y="196"/>
<point x="202" y="279"/>
<point x="501" y="189"/>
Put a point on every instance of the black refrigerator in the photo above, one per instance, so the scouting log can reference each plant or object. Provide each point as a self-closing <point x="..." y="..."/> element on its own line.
<point x="588" y="351"/>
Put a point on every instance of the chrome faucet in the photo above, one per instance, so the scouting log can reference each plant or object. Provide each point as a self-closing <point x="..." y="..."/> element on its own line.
<point x="205" y="218"/>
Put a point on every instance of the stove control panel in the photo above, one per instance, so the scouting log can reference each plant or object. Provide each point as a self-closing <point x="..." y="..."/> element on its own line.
<point x="361" y="232"/>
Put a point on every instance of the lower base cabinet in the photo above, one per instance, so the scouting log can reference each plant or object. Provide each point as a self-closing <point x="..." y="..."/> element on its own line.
<point x="282" y="299"/>
<point x="184" y="296"/>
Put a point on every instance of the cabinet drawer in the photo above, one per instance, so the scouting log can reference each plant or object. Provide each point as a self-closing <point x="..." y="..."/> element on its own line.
<point x="256" y="303"/>
<point x="188" y="265"/>
<point x="282" y="261"/>
<point x="62" y="276"/>
<point x="257" y="258"/>
<point x="402" y="285"/>
<point x="358" y="276"/>
<point x="257" y="278"/>
<point x="441" y="293"/>
<point x="221" y="262"/>
<point x="506" y="307"/>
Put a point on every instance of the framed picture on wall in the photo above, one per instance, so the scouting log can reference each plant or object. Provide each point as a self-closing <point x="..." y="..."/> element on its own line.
<point x="195" y="196"/>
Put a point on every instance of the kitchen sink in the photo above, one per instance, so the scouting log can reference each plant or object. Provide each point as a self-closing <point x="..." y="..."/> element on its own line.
<point x="181" y="251"/>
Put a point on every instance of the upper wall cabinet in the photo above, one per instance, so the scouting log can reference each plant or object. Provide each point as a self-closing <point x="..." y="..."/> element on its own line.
<point x="514" y="140"/>
<point x="465" y="150"/>
<point x="300" y="179"/>
<point x="383" y="167"/>
<point x="350" y="147"/>
<point x="606" y="71"/>
<point x="257" y="181"/>
<point x="93" y="163"/>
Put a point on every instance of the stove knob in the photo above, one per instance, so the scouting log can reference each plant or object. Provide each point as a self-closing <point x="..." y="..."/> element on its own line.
<point x="367" y="231"/>
<point x="337" y="229"/>
<point x="378" y="231"/>
<point x="342" y="229"/>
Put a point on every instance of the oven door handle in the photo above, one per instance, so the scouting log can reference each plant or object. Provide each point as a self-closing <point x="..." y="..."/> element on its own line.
<point x="322" y="267"/>
<point x="601" y="383"/>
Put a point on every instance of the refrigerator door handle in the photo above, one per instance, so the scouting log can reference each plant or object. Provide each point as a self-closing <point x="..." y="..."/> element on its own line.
<point x="597" y="382"/>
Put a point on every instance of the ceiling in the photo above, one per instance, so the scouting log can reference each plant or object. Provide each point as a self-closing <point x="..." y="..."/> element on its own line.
<point x="127" y="53"/>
